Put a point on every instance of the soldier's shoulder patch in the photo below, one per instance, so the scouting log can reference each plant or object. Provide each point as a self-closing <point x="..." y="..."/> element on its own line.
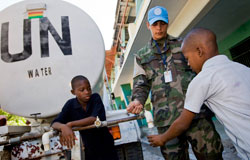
<point x="175" y="45"/>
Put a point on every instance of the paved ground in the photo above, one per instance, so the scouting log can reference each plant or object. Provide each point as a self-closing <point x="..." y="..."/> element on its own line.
<point x="151" y="153"/>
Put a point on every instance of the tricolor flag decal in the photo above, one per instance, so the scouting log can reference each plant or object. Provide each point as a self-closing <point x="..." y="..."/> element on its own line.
<point x="36" y="14"/>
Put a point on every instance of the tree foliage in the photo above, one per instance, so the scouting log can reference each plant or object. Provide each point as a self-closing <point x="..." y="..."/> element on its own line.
<point x="13" y="119"/>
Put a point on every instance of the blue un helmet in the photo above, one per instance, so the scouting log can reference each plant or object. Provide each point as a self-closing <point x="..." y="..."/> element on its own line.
<point x="157" y="13"/>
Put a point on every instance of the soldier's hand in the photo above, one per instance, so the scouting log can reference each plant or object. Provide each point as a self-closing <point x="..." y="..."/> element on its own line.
<point x="135" y="107"/>
<point x="156" y="140"/>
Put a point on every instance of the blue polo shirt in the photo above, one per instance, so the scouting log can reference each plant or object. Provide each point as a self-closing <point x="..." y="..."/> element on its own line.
<point x="97" y="140"/>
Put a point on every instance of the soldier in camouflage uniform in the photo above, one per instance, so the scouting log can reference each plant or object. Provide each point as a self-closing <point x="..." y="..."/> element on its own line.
<point x="161" y="68"/>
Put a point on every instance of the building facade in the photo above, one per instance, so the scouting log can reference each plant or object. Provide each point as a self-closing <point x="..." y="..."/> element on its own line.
<point x="229" y="19"/>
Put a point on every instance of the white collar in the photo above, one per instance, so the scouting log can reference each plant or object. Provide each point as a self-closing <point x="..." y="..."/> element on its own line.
<point x="215" y="61"/>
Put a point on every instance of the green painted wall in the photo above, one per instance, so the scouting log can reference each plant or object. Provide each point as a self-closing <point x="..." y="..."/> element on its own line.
<point x="235" y="37"/>
<point x="119" y="103"/>
<point x="126" y="90"/>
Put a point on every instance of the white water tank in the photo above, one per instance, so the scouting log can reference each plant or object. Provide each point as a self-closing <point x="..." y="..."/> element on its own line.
<point x="44" y="44"/>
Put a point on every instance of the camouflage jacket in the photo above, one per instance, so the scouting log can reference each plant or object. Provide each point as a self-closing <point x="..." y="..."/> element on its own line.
<point x="167" y="98"/>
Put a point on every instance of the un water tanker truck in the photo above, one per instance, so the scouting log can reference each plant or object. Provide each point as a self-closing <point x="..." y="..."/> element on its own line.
<point x="44" y="44"/>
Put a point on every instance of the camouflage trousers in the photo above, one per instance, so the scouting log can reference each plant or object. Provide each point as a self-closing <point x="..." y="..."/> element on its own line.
<point x="204" y="139"/>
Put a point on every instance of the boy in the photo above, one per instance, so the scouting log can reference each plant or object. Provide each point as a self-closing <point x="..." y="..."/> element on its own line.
<point x="82" y="111"/>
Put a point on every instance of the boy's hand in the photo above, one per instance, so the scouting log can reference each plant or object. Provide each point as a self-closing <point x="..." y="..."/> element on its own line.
<point x="135" y="107"/>
<point x="67" y="137"/>
<point x="156" y="140"/>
